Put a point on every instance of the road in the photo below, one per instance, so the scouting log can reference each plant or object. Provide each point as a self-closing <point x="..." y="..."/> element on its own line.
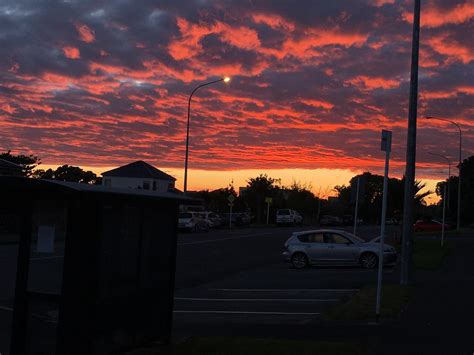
<point x="229" y="279"/>
<point x="223" y="277"/>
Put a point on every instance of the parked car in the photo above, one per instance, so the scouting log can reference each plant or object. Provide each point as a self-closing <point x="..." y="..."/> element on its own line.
<point x="327" y="220"/>
<point x="238" y="219"/>
<point x="212" y="219"/>
<point x="328" y="246"/>
<point x="288" y="216"/>
<point x="192" y="221"/>
<point x="430" y="226"/>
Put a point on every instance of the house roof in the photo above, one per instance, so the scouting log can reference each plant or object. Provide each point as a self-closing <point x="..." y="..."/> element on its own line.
<point x="24" y="185"/>
<point x="9" y="165"/>
<point x="139" y="169"/>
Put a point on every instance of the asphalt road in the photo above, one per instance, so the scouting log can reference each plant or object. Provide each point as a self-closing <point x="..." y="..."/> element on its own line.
<point x="223" y="277"/>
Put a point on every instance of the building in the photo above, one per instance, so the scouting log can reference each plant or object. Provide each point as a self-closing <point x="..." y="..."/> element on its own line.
<point x="139" y="175"/>
<point x="8" y="168"/>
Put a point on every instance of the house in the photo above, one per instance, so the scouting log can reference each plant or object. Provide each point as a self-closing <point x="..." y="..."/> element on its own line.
<point x="8" y="168"/>
<point x="139" y="175"/>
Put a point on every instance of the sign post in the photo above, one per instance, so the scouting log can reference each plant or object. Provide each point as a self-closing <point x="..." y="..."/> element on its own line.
<point x="444" y="215"/>
<point x="386" y="147"/>
<point x="231" y="200"/>
<point x="268" y="200"/>
<point x="356" y="205"/>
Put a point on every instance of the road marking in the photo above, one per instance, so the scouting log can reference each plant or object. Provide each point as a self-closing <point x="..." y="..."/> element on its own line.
<point x="47" y="258"/>
<point x="254" y="313"/>
<point x="257" y="299"/>
<point x="221" y="239"/>
<point x="285" y="289"/>
<point x="6" y="308"/>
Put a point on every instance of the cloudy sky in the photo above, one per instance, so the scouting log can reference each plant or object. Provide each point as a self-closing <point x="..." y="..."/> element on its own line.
<point x="103" y="83"/>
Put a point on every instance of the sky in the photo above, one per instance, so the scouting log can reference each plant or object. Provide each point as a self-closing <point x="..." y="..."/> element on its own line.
<point x="100" y="84"/>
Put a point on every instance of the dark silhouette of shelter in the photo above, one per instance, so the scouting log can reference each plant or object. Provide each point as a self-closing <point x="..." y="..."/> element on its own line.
<point x="10" y="169"/>
<point x="106" y="277"/>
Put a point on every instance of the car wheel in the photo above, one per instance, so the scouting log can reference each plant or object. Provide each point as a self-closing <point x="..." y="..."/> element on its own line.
<point x="299" y="260"/>
<point x="369" y="260"/>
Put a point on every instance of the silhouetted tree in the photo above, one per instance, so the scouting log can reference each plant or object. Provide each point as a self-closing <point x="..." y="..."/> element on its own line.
<point x="467" y="192"/>
<point x="257" y="190"/>
<point x="69" y="173"/>
<point x="27" y="162"/>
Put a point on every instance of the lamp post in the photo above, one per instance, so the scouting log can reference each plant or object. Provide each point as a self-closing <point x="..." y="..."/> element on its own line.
<point x="225" y="80"/>
<point x="449" y="173"/>
<point x="458" y="222"/>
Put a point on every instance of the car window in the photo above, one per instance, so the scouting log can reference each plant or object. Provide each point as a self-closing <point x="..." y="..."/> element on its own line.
<point x="185" y="215"/>
<point x="283" y="212"/>
<point x="316" y="238"/>
<point x="336" y="239"/>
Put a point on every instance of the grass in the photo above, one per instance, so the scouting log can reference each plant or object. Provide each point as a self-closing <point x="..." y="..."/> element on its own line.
<point x="252" y="346"/>
<point x="428" y="254"/>
<point x="361" y="307"/>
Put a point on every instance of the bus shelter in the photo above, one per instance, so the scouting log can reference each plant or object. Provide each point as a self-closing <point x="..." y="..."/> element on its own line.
<point x="95" y="268"/>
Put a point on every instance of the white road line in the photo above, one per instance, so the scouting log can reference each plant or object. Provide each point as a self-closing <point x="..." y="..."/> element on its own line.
<point x="257" y="299"/>
<point x="254" y="313"/>
<point x="6" y="308"/>
<point x="285" y="289"/>
<point x="47" y="258"/>
<point x="222" y="239"/>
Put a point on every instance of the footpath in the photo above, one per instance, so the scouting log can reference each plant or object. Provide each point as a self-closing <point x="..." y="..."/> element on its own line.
<point x="439" y="319"/>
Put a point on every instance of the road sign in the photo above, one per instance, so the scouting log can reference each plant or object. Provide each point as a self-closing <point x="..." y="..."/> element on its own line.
<point x="268" y="200"/>
<point x="230" y="204"/>
<point x="231" y="198"/>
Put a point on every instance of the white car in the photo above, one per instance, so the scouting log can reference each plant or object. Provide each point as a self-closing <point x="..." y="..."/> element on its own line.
<point x="212" y="219"/>
<point x="288" y="216"/>
<point x="192" y="221"/>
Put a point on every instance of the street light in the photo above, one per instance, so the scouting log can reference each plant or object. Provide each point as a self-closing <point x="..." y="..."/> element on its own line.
<point x="225" y="80"/>
<point x="449" y="172"/>
<point x="458" y="224"/>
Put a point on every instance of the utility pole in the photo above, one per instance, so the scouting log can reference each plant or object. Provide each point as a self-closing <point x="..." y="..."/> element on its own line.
<point x="408" y="200"/>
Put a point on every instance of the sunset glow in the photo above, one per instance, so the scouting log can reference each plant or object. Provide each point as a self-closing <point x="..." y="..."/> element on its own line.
<point x="313" y="84"/>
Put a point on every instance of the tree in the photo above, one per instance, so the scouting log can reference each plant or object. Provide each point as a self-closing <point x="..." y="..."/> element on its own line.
<point x="69" y="173"/>
<point x="467" y="188"/>
<point x="27" y="162"/>
<point x="257" y="189"/>
<point x="370" y="200"/>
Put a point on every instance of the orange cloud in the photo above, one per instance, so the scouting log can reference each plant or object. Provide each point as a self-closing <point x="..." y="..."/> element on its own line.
<point x="85" y="33"/>
<point x="370" y="83"/>
<point x="435" y="17"/>
<point x="274" y="21"/>
<point x="443" y="44"/>
<point x="71" y="52"/>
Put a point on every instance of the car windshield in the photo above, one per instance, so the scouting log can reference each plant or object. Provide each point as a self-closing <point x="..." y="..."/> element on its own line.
<point x="283" y="212"/>
<point x="185" y="215"/>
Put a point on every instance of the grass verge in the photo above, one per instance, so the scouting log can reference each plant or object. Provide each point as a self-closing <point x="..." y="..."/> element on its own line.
<point x="428" y="254"/>
<point x="252" y="346"/>
<point x="361" y="307"/>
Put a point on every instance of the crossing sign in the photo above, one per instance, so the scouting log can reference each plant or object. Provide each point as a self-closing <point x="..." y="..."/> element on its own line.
<point x="231" y="198"/>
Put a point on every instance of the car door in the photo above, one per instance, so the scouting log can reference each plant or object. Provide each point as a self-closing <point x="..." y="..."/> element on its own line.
<point x="316" y="249"/>
<point x="340" y="248"/>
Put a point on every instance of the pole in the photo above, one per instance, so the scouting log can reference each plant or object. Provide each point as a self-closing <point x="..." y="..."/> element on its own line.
<point x="408" y="200"/>
<point x="268" y="212"/>
<point x="356" y="206"/>
<point x="185" y="188"/>
<point x="444" y="215"/>
<point x="230" y="216"/>
<point x="458" y="224"/>
<point x="382" y="236"/>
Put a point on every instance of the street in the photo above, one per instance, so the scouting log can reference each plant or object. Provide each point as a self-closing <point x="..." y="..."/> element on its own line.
<point x="223" y="277"/>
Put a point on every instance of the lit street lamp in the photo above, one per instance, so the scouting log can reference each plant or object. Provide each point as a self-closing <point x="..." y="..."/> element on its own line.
<point x="225" y="80"/>
<point x="458" y="224"/>
<point x="449" y="172"/>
